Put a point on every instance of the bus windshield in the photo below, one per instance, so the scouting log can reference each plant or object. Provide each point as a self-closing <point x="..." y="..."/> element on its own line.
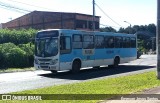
<point x="46" y="47"/>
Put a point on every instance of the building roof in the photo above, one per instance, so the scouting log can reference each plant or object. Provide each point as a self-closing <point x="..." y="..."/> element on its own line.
<point x="55" y="12"/>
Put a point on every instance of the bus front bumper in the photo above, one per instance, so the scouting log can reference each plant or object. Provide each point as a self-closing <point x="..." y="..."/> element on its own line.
<point x="46" y="67"/>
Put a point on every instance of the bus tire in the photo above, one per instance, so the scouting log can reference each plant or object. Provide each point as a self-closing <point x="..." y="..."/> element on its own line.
<point x="76" y="66"/>
<point x="116" y="63"/>
<point x="54" y="71"/>
<point x="110" y="66"/>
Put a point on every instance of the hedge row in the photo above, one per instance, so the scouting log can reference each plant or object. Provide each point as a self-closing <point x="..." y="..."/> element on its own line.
<point x="15" y="48"/>
<point x="12" y="56"/>
<point x="22" y="36"/>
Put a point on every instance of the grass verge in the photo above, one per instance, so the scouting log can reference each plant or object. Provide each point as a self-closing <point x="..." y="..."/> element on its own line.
<point x="120" y="85"/>
<point x="8" y="70"/>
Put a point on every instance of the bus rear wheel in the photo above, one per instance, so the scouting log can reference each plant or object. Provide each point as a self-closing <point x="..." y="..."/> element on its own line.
<point x="76" y="67"/>
<point x="116" y="63"/>
<point x="54" y="71"/>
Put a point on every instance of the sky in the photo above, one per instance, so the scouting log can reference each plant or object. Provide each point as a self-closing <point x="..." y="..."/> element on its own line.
<point x="115" y="12"/>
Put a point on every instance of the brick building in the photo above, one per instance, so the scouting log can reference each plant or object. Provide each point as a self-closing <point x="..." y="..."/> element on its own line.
<point x="53" y="20"/>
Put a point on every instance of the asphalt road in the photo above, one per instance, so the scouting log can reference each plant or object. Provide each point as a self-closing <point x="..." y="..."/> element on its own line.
<point x="13" y="82"/>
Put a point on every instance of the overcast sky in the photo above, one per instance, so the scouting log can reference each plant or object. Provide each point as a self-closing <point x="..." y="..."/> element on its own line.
<point x="136" y="12"/>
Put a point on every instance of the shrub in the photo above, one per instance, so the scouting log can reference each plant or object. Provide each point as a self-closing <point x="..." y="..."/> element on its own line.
<point x="22" y="36"/>
<point x="29" y="49"/>
<point x="15" y="50"/>
<point x="16" y="57"/>
<point x="4" y="49"/>
<point x="13" y="56"/>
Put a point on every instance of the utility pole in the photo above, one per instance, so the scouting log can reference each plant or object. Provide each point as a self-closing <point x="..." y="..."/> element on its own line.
<point x="93" y="21"/>
<point x="158" y="39"/>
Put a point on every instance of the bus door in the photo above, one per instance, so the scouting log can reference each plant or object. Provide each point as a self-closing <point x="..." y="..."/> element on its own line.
<point x="88" y="50"/>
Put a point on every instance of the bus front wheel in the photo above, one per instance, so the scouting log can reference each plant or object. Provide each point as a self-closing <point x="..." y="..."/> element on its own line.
<point x="76" y="66"/>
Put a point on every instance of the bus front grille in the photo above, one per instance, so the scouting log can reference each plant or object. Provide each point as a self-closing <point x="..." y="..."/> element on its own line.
<point x="44" y="66"/>
<point x="44" y="60"/>
<point x="44" y="63"/>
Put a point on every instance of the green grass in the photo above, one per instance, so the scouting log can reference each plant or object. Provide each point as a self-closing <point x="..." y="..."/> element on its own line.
<point x="16" y="70"/>
<point x="119" y="85"/>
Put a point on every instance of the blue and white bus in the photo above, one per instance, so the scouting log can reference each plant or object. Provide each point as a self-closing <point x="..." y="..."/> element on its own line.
<point x="63" y="49"/>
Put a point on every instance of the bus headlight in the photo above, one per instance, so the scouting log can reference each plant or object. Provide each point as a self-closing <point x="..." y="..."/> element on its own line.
<point x="54" y="61"/>
<point x="36" y="61"/>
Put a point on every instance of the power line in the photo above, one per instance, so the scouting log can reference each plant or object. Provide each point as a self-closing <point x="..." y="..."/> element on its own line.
<point x="29" y="4"/>
<point x="4" y="7"/>
<point x="107" y="15"/>
<point x="109" y="26"/>
<point x="11" y="7"/>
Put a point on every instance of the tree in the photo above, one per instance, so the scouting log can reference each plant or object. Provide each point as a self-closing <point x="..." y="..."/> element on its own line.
<point x="122" y="30"/>
<point x="108" y="29"/>
<point x="152" y="29"/>
<point x="145" y="33"/>
<point x="141" y="45"/>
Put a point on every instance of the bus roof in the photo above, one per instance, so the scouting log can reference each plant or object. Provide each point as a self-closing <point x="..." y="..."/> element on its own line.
<point x="70" y="31"/>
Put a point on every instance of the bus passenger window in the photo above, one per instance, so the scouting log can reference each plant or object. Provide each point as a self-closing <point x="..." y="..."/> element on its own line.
<point x="77" y="41"/>
<point x="133" y="42"/>
<point x="65" y="45"/>
<point x="126" y="42"/>
<point x="109" y="42"/>
<point x="99" y="41"/>
<point x="118" y="42"/>
<point x="88" y="42"/>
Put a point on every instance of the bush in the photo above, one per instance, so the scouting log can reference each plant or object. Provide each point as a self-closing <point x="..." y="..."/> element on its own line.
<point x="15" y="49"/>
<point x="22" y="36"/>
<point x="16" y="56"/>
<point x="4" y="49"/>
<point x="29" y="49"/>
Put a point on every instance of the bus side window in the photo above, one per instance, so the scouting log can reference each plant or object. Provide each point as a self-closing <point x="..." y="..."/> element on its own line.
<point x="77" y="41"/>
<point x="118" y="42"/>
<point x="126" y="42"/>
<point x="99" y="41"/>
<point x="133" y="42"/>
<point x="65" y="45"/>
<point x="88" y="41"/>
<point x="109" y="42"/>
